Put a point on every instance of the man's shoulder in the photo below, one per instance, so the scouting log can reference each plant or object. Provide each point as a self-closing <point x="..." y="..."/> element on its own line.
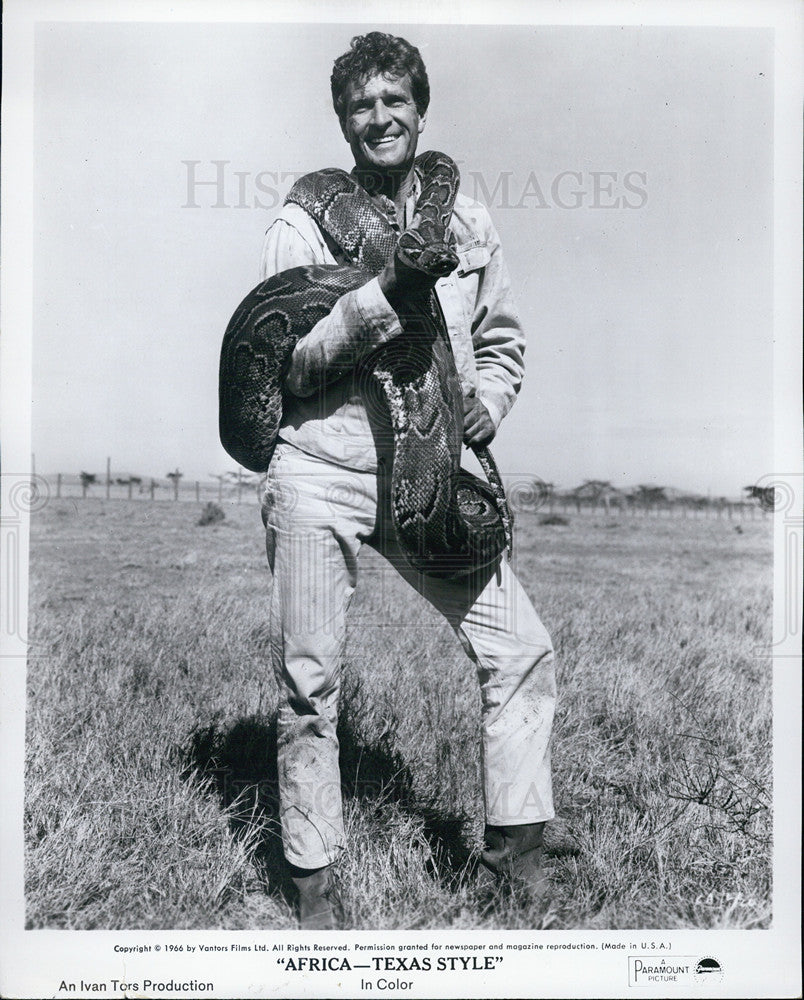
<point x="293" y="219"/>
<point x="294" y="215"/>
<point x="302" y="206"/>
<point x="467" y="205"/>
<point x="470" y="218"/>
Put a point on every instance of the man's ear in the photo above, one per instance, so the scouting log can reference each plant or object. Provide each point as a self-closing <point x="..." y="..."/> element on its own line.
<point x="422" y="122"/>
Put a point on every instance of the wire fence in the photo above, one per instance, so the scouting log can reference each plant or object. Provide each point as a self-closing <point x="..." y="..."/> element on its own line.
<point x="738" y="509"/>
<point x="525" y="496"/>
<point x="225" y="489"/>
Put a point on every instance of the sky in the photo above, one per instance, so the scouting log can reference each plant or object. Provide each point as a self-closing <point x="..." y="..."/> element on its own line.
<point x="629" y="172"/>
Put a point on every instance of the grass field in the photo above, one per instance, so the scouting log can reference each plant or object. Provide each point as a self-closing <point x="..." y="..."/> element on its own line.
<point x="150" y="775"/>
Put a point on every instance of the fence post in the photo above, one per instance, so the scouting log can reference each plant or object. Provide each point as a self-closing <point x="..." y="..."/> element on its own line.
<point x="197" y="491"/>
<point x="58" y="484"/>
<point x="151" y="488"/>
<point x="108" y="477"/>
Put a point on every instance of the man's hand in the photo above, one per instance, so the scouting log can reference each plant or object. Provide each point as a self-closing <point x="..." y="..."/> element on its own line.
<point x="398" y="282"/>
<point x="478" y="427"/>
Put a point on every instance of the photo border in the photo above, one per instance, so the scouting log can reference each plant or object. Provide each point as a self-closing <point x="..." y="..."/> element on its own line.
<point x="754" y="963"/>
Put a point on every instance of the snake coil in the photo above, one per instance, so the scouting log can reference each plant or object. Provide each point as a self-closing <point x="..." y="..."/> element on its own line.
<point x="448" y="522"/>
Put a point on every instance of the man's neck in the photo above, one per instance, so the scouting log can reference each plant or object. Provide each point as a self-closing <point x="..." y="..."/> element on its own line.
<point x="398" y="185"/>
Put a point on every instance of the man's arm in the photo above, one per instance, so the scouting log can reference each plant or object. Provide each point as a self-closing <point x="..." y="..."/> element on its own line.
<point x="499" y="346"/>
<point x="361" y="320"/>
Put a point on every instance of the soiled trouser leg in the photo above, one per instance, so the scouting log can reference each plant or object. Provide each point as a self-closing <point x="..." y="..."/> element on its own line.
<point x="316" y="517"/>
<point x="502" y="633"/>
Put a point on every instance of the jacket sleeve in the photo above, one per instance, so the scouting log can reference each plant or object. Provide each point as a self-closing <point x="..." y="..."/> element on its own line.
<point x="498" y="340"/>
<point x="360" y="321"/>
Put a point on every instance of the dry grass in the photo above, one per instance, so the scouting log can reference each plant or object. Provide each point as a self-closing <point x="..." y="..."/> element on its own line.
<point x="151" y="795"/>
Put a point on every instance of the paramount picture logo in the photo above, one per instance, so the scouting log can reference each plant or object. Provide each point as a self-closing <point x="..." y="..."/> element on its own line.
<point x="680" y="970"/>
<point x="708" y="970"/>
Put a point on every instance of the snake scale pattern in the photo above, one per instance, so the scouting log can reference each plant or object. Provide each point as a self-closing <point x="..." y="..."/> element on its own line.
<point x="447" y="521"/>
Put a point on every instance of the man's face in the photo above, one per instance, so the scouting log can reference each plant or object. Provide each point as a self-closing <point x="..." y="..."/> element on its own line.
<point x="382" y="124"/>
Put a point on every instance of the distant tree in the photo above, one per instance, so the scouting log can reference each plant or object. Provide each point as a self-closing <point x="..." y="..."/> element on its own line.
<point x="241" y="478"/>
<point x="221" y="480"/>
<point x="237" y="479"/>
<point x="87" y="479"/>
<point x="598" y="491"/>
<point x="764" y="495"/>
<point x="174" y="477"/>
<point x="129" y="481"/>
<point x="651" y="496"/>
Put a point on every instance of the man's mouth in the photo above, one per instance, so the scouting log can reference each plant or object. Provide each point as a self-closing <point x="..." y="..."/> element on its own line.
<point x="382" y="140"/>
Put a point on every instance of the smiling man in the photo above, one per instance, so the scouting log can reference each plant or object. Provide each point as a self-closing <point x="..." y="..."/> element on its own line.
<point x="327" y="495"/>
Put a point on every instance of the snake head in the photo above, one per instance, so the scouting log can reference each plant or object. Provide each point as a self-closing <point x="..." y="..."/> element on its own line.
<point x="437" y="260"/>
<point x="441" y="260"/>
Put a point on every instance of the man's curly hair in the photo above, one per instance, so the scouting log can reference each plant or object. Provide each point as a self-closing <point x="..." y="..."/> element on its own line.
<point x="375" y="53"/>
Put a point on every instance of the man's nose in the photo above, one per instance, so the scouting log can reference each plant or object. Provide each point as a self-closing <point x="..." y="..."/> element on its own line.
<point x="379" y="114"/>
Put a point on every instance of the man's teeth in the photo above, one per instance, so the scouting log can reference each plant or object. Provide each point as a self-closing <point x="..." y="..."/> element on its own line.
<point x="384" y="140"/>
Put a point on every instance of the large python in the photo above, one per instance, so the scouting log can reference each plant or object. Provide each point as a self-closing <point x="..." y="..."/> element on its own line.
<point x="448" y="522"/>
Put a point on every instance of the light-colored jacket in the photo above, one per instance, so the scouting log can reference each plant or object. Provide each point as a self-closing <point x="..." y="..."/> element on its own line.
<point x="326" y="417"/>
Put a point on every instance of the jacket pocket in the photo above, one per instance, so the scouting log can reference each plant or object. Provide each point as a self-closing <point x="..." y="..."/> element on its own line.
<point x="472" y="256"/>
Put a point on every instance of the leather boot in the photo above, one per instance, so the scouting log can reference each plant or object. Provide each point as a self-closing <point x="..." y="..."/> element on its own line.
<point x="515" y="853"/>
<point x="319" y="905"/>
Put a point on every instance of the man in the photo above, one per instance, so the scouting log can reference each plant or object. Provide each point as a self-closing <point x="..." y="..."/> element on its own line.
<point x="326" y="495"/>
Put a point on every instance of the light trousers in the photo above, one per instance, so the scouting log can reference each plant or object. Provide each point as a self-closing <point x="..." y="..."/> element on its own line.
<point x="317" y="518"/>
